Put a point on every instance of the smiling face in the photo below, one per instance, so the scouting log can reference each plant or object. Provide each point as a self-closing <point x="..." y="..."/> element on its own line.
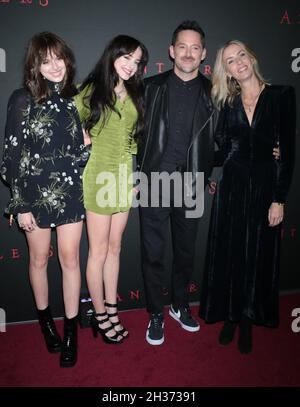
<point x="127" y="65"/>
<point x="53" y="67"/>
<point x="187" y="53"/>
<point x="237" y="62"/>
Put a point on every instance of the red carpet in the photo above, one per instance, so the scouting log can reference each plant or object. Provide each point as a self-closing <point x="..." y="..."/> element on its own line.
<point x="184" y="360"/>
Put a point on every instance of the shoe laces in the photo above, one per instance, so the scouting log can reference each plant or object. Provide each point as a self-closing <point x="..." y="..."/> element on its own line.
<point x="186" y="310"/>
<point x="156" y="320"/>
<point x="186" y="313"/>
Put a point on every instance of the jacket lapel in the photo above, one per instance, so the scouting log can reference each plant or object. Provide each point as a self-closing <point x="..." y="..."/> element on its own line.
<point x="202" y="113"/>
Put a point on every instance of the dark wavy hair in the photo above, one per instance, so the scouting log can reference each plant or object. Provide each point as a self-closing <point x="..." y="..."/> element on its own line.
<point x="104" y="78"/>
<point x="36" y="53"/>
<point x="188" y="25"/>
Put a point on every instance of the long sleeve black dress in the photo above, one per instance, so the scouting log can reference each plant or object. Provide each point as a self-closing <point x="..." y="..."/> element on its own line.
<point x="241" y="275"/>
<point x="43" y="148"/>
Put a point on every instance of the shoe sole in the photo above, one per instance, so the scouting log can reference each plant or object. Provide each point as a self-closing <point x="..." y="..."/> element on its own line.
<point x="226" y="342"/>
<point x="183" y="326"/>
<point x="154" y="341"/>
<point x="244" y="350"/>
<point x="221" y="343"/>
<point x="53" y="350"/>
<point x="68" y="364"/>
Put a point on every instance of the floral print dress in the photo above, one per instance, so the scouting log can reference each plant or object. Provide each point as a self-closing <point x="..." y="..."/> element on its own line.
<point x="43" y="149"/>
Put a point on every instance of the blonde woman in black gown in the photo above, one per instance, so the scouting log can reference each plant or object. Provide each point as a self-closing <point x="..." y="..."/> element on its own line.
<point x="241" y="276"/>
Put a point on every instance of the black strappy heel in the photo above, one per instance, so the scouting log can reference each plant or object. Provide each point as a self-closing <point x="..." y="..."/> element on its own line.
<point x="122" y="331"/>
<point x="96" y="328"/>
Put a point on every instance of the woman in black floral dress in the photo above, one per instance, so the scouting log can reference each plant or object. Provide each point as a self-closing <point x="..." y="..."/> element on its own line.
<point x="43" y="148"/>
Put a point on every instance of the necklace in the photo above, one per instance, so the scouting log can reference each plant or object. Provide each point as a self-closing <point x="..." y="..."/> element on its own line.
<point x="249" y="106"/>
<point x="119" y="93"/>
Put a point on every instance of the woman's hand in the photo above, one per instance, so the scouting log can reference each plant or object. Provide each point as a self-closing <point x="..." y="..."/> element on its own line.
<point x="276" y="153"/>
<point x="86" y="138"/>
<point x="135" y="190"/>
<point x="26" y="221"/>
<point x="275" y="215"/>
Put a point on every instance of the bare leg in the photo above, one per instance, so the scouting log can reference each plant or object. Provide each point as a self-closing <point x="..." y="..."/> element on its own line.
<point x="98" y="227"/>
<point x="68" y="242"/>
<point x="112" y="264"/>
<point x="39" y="244"/>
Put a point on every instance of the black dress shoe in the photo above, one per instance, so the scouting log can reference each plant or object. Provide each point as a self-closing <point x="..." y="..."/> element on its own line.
<point x="227" y="333"/>
<point x="52" y="339"/>
<point x="68" y="356"/>
<point x="245" y="337"/>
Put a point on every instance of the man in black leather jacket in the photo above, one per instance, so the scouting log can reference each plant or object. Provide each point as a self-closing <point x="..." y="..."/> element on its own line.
<point x="178" y="138"/>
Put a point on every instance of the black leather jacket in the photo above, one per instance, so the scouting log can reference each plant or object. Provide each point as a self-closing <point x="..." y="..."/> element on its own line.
<point x="200" y="154"/>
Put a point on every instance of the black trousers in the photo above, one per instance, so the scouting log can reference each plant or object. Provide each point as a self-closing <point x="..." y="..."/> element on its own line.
<point x="154" y="224"/>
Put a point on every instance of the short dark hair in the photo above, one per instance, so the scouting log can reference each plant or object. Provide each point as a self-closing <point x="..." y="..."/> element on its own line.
<point x="189" y="25"/>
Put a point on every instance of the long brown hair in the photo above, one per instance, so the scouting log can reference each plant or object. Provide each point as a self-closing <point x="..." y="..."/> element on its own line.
<point x="36" y="53"/>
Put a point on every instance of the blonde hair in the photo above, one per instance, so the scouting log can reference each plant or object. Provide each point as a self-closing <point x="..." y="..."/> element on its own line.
<point x="225" y="88"/>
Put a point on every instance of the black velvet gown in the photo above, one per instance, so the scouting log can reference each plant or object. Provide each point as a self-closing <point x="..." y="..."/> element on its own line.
<point x="241" y="275"/>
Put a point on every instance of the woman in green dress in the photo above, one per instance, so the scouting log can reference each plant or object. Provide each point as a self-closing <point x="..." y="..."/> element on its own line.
<point x="110" y="106"/>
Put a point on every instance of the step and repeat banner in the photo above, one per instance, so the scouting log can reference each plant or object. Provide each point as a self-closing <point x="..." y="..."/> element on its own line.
<point x="270" y="27"/>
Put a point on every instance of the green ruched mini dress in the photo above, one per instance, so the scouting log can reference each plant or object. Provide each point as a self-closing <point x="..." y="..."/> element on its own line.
<point x="107" y="183"/>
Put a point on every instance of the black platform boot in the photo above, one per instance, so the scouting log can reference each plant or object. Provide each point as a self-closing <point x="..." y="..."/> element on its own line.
<point x="227" y="333"/>
<point x="245" y="337"/>
<point x="68" y="356"/>
<point x="52" y="339"/>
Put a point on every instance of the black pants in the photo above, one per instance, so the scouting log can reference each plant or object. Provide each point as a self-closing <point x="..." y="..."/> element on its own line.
<point x="154" y="223"/>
